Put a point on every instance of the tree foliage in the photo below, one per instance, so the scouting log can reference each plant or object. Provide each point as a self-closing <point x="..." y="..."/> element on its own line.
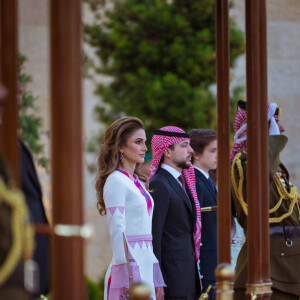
<point x="30" y="123"/>
<point x="161" y="58"/>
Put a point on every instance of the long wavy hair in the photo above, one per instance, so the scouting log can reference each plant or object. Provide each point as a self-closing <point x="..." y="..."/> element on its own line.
<point x="116" y="136"/>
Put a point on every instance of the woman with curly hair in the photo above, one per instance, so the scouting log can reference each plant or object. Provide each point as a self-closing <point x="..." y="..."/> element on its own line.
<point x="123" y="197"/>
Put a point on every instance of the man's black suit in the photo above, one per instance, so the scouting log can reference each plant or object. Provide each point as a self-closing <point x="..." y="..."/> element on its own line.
<point x="207" y="196"/>
<point x="174" y="219"/>
<point x="33" y="194"/>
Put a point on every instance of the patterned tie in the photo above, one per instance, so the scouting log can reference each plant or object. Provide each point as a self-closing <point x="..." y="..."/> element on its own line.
<point x="182" y="182"/>
<point x="181" y="179"/>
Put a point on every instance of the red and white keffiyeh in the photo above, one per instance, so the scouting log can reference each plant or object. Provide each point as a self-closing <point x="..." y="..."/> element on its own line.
<point x="240" y="128"/>
<point x="160" y="144"/>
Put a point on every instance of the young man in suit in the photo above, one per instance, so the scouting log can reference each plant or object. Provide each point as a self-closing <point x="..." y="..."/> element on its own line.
<point x="204" y="144"/>
<point x="176" y="225"/>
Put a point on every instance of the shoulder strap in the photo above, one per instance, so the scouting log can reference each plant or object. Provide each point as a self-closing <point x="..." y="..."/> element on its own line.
<point x="131" y="281"/>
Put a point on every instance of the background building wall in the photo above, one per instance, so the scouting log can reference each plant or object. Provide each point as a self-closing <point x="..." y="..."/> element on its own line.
<point x="283" y="87"/>
<point x="283" y="28"/>
<point x="34" y="35"/>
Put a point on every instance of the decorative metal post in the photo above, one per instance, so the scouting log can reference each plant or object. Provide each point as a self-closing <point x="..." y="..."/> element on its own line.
<point x="224" y="286"/>
<point x="140" y="291"/>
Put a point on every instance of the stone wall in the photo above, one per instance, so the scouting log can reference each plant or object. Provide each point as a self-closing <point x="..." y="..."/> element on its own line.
<point x="283" y="28"/>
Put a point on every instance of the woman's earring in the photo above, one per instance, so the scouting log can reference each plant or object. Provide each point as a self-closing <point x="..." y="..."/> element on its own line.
<point x="121" y="157"/>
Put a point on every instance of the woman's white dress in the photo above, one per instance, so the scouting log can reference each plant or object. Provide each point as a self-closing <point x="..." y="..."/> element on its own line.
<point x="128" y="213"/>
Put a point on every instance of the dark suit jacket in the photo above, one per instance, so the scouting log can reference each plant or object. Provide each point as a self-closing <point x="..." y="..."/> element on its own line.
<point x="31" y="187"/>
<point x="173" y="223"/>
<point x="207" y="196"/>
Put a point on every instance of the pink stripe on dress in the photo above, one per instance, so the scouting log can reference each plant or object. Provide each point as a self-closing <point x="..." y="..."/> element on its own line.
<point x="141" y="189"/>
<point x="140" y="238"/>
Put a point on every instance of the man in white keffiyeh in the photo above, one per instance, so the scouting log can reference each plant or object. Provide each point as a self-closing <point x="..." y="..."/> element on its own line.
<point x="240" y="126"/>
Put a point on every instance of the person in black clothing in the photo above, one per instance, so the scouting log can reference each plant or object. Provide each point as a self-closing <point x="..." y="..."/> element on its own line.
<point x="33" y="194"/>
<point x="31" y="188"/>
<point x="176" y="219"/>
<point x="204" y="144"/>
<point x="16" y="235"/>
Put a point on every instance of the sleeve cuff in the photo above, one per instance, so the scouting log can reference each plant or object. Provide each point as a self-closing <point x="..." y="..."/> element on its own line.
<point x="157" y="276"/>
<point x="120" y="276"/>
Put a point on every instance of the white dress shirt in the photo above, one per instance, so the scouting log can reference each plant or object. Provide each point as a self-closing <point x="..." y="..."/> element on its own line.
<point x="172" y="171"/>
<point x="203" y="172"/>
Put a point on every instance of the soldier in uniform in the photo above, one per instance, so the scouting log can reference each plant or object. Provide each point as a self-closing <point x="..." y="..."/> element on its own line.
<point x="284" y="213"/>
<point x="16" y="235"/>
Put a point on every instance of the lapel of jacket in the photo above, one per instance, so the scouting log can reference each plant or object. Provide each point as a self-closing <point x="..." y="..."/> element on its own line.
<point x="178" y="189"/>
<point x="206" y="183"/>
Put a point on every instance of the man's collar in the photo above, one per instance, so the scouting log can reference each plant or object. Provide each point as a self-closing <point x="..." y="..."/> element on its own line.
<point x="203" y="172"/>
<point x="171" y="170"/>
